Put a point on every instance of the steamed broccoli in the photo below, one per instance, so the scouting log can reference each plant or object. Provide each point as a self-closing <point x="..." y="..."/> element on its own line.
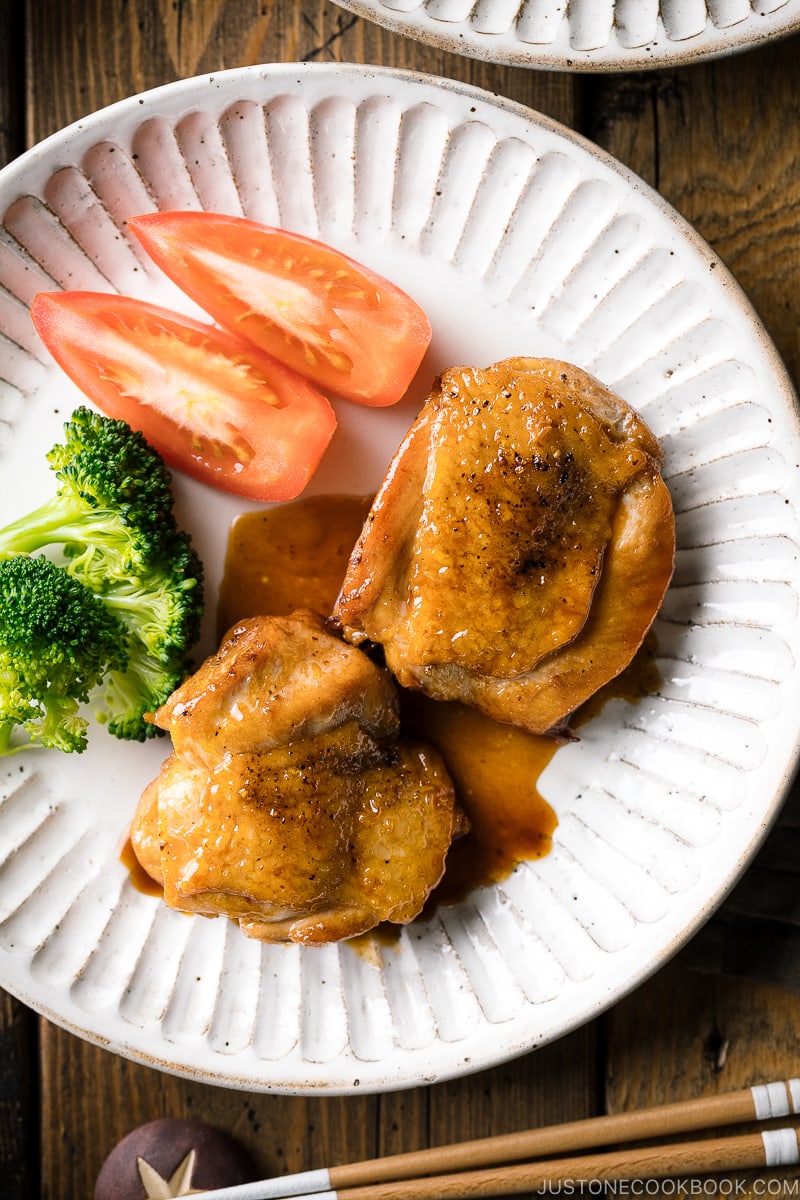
<point x="112" y="513"/>
<point x="113" y="526"/>
<point x="128" y="695"/>
<point x="57" y="641"/>
<point x="162" y="605"/>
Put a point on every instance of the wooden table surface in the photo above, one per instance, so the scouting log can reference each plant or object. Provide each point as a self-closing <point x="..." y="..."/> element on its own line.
<point x="720" y="142"/>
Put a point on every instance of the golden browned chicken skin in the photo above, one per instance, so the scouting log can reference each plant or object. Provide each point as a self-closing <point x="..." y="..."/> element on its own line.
<point x="289" y="802"/>
<point x="520" y="545"/>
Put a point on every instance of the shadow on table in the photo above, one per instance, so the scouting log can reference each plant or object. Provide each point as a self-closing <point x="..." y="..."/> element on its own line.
<point x="755" y="934"/>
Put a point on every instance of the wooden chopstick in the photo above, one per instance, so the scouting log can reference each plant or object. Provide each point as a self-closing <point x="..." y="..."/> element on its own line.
<point x="779" y="1099"/>
<point x="351" y="1181"/>
<point x="770" y="1148"/>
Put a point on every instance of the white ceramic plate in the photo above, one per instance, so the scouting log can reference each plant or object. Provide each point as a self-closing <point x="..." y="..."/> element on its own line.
<point x="518" y="238"/>
<point x="586" y="35"/>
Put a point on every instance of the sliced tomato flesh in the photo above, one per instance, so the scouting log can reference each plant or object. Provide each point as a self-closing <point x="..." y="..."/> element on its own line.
<point x="317" y="310"/>
<point x="212" y="405"/>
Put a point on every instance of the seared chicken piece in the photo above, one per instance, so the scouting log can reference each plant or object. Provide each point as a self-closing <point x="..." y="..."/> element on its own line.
<point x="289" y="802"/>
<point x="520" y="545"/>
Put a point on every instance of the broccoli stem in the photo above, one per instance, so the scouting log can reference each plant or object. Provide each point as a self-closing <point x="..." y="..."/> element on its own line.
<point x="54" y="522"/>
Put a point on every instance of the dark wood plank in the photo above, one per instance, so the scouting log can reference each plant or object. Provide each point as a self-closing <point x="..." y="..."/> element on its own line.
<point x="91" y="1099"/>
<point x="559" y="1082"/>
<point x="12" y="95"/>
<point x="685" y="1034"/>
<point x="19" y="1097"/>
<point x="19" y="1149"/>
<point x="82" y="63"/>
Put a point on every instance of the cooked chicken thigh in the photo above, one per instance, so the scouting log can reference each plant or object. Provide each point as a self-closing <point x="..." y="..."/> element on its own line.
<point x="289" y="802"/>
<point x="520" y="545"/>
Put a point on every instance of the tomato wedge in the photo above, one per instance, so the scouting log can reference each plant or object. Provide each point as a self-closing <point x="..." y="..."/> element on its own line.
<point x="212" y="405"/>
<point x="323" y="314"/>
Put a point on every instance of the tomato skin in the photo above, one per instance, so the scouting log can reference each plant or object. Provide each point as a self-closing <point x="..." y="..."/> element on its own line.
<point x="212" y="405"/>
<point x="323" y="314"/>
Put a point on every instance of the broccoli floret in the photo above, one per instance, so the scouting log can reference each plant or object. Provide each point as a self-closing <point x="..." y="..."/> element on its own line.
<point x="129" y="695"/>
<point x="112" y="514"/>
<point x="112" y="522"/>
<point x="163" y="607"/>
<point x="161" y="613"/>
<point x="57" y="641"/>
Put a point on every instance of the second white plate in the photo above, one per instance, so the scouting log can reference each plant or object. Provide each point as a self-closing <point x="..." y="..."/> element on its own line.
<point x="586" y="35"/>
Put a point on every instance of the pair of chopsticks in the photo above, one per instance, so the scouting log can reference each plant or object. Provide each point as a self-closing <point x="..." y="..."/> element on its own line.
<point x="492" y="1166"/>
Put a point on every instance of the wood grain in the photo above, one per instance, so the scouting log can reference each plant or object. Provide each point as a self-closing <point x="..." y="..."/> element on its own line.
<point x="79" y="68"/>
<point x="713" y="139"/>
<point x="19" y="1097"/>
<point x="12" y="111"/>
<point x="19" y="1147"/>
<point x="688" y="1034"/>
<point x="90" y="1099"/>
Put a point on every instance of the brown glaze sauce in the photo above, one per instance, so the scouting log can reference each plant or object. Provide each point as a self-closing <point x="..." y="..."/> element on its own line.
<point x="294" y="556"/>
<point x="139" y="878"/>
<point x="289" y="557"/>
<point x="495" y="769"/>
